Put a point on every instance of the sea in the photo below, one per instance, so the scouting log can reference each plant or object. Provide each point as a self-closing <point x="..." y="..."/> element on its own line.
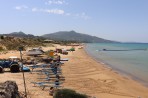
<point x="128" y="59"/>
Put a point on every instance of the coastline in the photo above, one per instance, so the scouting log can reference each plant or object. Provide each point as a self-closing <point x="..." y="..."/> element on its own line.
<point x="116" y="70"/>
<point x="83" y="74"/>
<point x="86" y="75"/>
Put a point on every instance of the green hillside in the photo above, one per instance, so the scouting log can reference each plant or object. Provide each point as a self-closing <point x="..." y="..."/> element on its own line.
<point x="74" y="36"/>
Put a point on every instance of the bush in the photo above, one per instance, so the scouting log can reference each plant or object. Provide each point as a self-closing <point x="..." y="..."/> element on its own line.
<point x="67" y="93"/>
<point x="2" y="37"/>
<point x="1" y="48"/>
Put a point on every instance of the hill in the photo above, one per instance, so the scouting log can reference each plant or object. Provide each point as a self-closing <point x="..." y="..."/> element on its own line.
<point x="12" y="43"/>
<point x="74" y="36"/>
<point x="20" y="34"/>
<point x="70" y="36"/>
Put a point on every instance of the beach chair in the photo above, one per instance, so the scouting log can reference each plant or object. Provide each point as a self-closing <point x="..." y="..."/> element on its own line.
<point x="53" y="77"/>
<point x="50" y="69"/>
<point x="65" y="59"/>
<point x="47" y="84"/>
<point x="55" y="86"/>
<point x="38" y="66"/>
<point x="49" y="73"/>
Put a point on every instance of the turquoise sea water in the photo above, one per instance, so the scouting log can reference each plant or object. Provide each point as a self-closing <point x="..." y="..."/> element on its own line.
<point x="127" y="58"/>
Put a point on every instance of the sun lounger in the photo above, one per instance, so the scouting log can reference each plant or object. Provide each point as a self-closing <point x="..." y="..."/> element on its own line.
<point x="49" y="73"/>
<point x="53" y="77"/>
<point x="41" y="83"/>
<point x="48" y="69"/>
<point x="65" y="59"/>
<point x="38" y="66"/>
<point x="49" y="78"/>
<point x="56" y="86"/>
<point x="47" y="84"/>
<point x="43" y="65"/>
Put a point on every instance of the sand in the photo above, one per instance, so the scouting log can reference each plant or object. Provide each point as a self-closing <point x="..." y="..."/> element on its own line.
<point x="82" y="74"/>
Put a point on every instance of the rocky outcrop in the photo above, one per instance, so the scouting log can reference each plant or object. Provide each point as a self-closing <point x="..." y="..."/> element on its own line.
<point x="9" y="89"/>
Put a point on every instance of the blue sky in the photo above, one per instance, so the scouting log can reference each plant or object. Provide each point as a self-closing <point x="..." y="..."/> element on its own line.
<point x="119" y="20"/>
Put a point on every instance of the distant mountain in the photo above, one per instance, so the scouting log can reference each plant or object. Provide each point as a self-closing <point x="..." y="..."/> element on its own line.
<point x="20" y="34"/>
<point x="74" y="36"/>
<point x="63" y="36"/>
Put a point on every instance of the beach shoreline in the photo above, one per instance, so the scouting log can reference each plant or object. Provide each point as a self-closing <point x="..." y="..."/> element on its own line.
<point x="104" y="73"/>
<point x="116" y="70"/>
<point x="83" y="74"/>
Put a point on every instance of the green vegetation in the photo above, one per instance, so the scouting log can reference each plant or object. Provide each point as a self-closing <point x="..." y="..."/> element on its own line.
<point x="1" y="48"/>
<point x="67" y="93"/>
<point x="2" y="37"/>
<point x="65" y="42"/>
<point x="13" y="43"/>
<point x="74" y="37"/>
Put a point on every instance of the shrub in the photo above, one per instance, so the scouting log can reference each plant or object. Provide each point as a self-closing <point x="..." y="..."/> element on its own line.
<point x="1" y="48"/>
<point x="2" y="37"/>
<point x="67" y="93"/>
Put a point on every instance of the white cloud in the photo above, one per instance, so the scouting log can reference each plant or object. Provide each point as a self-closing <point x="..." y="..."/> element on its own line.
<point x="59" y="2"/>
<point x="34" y="9"/>
<point x="51" y="11"/>
<point x="55" y="11"/>
<point x="21" y="7"/>
<point x="82" y="15"/>
<point x="68" y="14"/>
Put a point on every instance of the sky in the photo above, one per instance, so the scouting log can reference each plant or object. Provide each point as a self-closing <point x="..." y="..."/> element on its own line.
<point x="118" y="20"/>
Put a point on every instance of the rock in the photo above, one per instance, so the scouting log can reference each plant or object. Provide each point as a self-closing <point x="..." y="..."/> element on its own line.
<point x="9" y="89"/>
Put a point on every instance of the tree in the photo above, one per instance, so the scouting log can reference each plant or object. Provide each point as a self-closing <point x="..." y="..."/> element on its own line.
<point x="2" y="37"/>
<point x="68" y="93"/>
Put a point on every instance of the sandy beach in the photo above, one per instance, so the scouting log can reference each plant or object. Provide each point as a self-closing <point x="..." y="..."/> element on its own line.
<point x="82" y="74"/>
